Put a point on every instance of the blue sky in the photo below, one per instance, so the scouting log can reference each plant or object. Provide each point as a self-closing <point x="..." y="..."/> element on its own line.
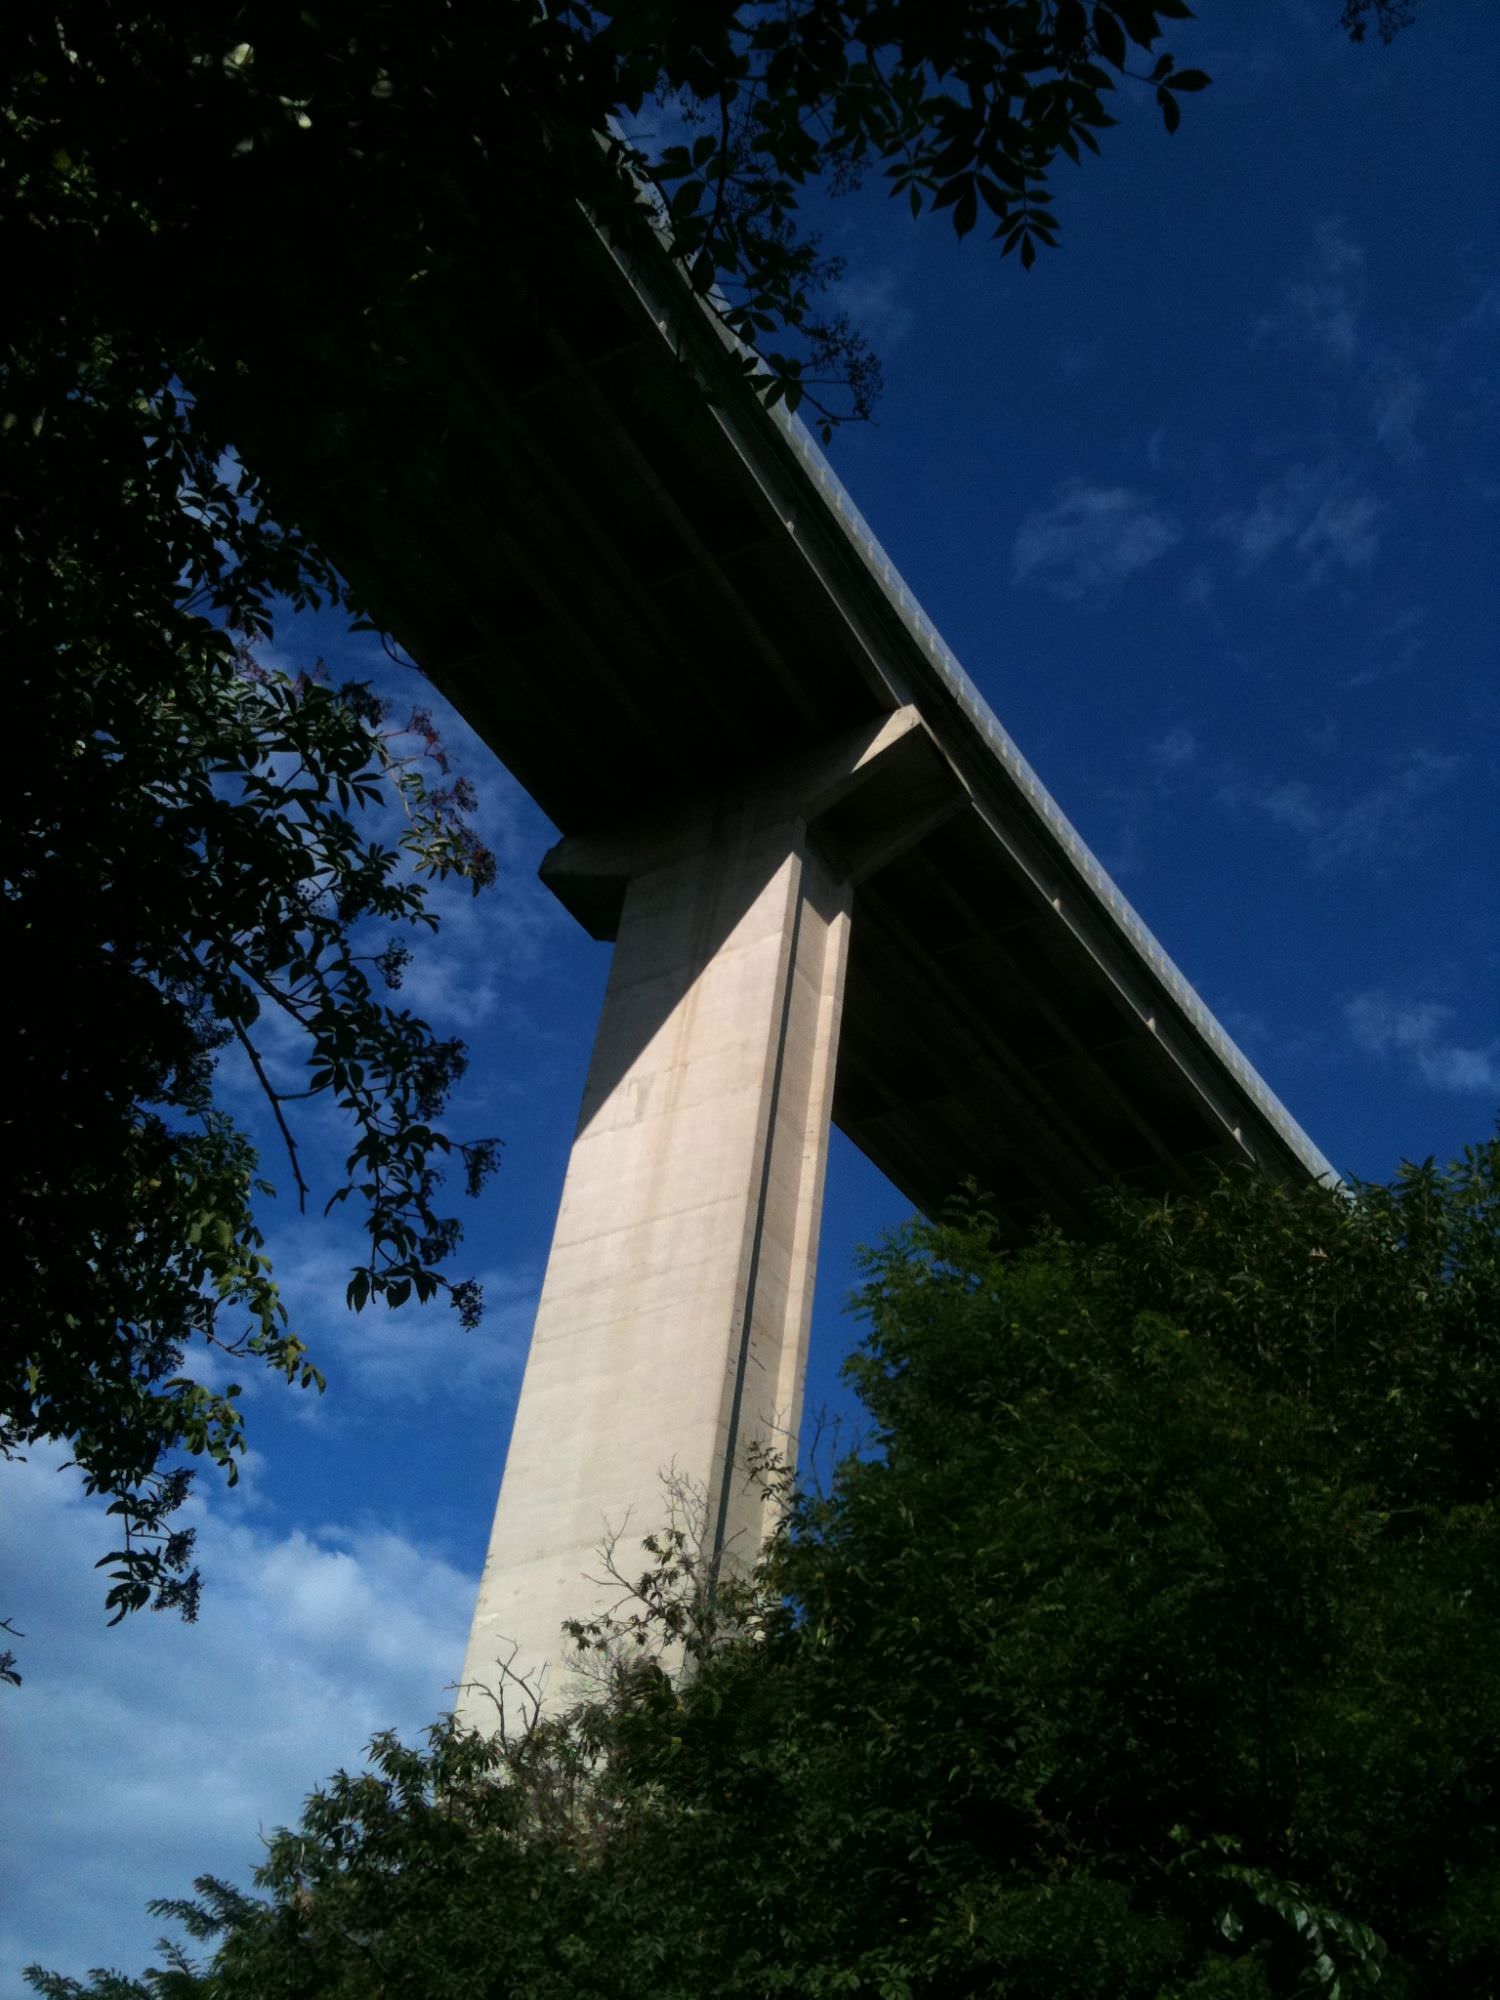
<point x="1207" y="507"/>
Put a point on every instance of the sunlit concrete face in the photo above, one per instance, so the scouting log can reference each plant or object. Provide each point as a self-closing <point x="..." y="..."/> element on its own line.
<point x="1027" y="1039"/>
<point x="672" y="1331"/>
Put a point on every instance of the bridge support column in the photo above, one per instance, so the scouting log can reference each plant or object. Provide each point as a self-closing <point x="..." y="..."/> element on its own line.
<point x="672" y="1330"/>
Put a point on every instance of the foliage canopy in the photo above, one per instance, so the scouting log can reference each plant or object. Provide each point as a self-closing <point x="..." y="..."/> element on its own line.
<point x="1147" y="1652"/>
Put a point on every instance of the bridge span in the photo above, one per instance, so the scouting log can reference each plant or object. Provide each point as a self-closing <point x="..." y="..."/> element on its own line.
<point x="836" y="889"/>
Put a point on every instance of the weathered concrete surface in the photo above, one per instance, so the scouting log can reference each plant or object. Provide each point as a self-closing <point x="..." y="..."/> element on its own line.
<point x="672" y="1330"/>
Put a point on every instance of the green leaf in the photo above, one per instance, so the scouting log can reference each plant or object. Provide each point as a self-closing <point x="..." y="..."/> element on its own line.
<point x="1109" y="36"/>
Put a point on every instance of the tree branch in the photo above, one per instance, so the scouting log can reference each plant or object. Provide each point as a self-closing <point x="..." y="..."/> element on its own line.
<point x="273" y="1098"/>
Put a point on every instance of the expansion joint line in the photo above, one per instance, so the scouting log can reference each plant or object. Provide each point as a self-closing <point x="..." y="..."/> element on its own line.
<point x="742" y="1361"/>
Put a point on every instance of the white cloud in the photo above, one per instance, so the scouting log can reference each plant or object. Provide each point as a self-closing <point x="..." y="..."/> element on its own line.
<point x="1397" y="394"/>
<point x="149" y="1754"/>
<point x="1323" y="309"/>
<point x="870" y="298"/>
<point x="1090" y="538"/>
<point x="1416" y="1030"/>
<point x="423" y="1352"/>
<point x="1312" y="516"/>
<point x="1395" y="647"/>
<point x="1293" y="805"/>
<point x="1322" y="306"/>
<point x="415" y="1354"/>
<point x="1387" y="821"/>
<point x="487" y="946"/>
<point x="1174" y="751"/>
<point x="1340" y="528"/>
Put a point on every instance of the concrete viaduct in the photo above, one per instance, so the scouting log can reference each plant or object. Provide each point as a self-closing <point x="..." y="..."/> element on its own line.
<point x="836" y="890"/>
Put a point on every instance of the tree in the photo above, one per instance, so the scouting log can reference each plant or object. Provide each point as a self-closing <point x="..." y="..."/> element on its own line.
<point x="1146" y="1651"/>
<point x="190" y="868"/>
<point x="189" y="212"/>
<point x="182" y="853"/>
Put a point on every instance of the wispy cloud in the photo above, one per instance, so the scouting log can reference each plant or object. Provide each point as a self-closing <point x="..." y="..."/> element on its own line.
<point x="1323" y="309"/>
<point x="488" y="946"/>
<point x="1397" y="396"/>
<point x="416" y="1354"/>
<point x="1417" y="1031"/>
<point x="423" y="1354"/>
<point x="1322" y="305"/>
<point x="1174" y="751"/>
<point x="1312" y="516"/>
<point x="1092" y="537"/>
<point x="872" y="300"/>
<point x="1128" y="798"/>
<point x="1386" y="821"/>
<point x="1396" y="645"/>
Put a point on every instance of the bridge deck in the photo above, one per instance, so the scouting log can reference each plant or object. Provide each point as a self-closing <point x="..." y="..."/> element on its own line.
<point x="634" y="595"/>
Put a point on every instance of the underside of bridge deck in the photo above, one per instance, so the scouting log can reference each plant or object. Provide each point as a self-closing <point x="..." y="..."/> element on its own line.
<point x="637" y="591"/>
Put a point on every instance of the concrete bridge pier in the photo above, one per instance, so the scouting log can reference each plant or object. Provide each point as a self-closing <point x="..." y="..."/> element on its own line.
<point x="671" y="1335"/>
